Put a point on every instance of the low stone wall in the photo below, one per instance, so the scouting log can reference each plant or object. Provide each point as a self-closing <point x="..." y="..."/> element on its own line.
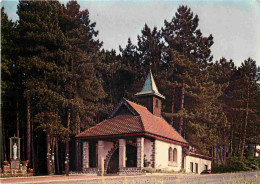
<point x="90" y="170"/>
<point x="17" y="170"/>
<point x="130" y="170"/>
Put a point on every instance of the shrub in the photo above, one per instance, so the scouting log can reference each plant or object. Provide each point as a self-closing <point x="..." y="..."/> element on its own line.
<point x="234" y="164"/>
<point x="238" y="165"/>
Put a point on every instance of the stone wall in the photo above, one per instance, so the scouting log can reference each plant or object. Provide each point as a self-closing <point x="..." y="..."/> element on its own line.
<point x="130" y="170"/>
<point x="148" y="153"/>
<point x="140" y="152"/>
<point x="85" y="155"/>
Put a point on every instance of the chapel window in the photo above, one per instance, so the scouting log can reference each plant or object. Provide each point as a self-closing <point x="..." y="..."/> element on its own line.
<point x="170" y="154"/>
<point x="174" y="157"/>
<point x="156" y="103"/>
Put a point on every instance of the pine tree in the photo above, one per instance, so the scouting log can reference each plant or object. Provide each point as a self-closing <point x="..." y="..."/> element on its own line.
<point x="247" y="76"/>
<point x="189" y="55"/>
<point x="150" y="48"/>
<point x="222" y="73"/>
<point x="42" y="51"/>
<point x="83" y="87"/>
<point x="193" y="95"/>
<point x="9" y="81"/>
<point x="130" y="71"/>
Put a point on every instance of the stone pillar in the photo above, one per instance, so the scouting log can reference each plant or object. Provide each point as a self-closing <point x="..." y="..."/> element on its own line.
<point x="122" y="153"/>
<point x="154" y="154"/>
<point x="101" y="157"/>
<point x="85" y="156"/>
<point x="140" y="152"/>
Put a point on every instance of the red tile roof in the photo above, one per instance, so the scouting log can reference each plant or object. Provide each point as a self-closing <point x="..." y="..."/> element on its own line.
<point x="120" y="124"/>
<point x="146" y="123"/>
<point x="196" y="153"/>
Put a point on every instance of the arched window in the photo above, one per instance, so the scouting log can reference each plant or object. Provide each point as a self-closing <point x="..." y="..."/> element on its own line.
<point x="170" y="154"/>
<point x="174" y="156"/>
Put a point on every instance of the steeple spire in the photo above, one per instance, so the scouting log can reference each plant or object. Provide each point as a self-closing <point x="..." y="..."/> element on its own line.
<point x="150" y="96"/>
<point x="150" y="87"/>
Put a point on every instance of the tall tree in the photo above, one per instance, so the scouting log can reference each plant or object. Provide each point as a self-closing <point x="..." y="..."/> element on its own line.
<point x="84" y="87"/>
<point x="190" y="55"/>
<point x="247" y="76"/>
<point x="150" y="48"/>
<point x="130" y="71"/>
<point x="222" y="73"/>
<point x="11" y="78"/>
<point x="42" y="54"/>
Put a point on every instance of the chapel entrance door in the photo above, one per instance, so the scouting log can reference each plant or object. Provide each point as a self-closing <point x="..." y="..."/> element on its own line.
<point x="113" y="164"/>
<point x="131" y="156"/>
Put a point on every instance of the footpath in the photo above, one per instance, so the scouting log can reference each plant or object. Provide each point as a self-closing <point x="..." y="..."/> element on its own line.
<point x="48" y="179"/>
<point x="71" y="178"/>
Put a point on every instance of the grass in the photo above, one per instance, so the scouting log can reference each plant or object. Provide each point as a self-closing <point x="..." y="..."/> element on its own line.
<point x="161" y="180"/>
<point x="243" y="180"/>
<point x="151" y="170"/>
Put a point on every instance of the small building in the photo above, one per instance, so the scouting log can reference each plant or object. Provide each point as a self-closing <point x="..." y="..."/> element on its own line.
<point x="137" y="136"/>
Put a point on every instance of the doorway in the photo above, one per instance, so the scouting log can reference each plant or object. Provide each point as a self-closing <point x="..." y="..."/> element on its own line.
<point x="113" y="164"/>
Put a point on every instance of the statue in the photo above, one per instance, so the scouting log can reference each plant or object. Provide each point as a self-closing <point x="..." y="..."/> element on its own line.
<point x="14" y="151"/>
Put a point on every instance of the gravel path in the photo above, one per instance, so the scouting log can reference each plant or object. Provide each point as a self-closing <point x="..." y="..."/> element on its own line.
<point x="147" y="179"/>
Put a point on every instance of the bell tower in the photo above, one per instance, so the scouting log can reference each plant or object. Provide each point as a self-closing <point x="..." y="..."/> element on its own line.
<point x="150" y="96"/>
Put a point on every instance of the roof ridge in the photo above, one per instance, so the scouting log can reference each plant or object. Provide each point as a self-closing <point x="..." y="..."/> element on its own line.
<point x="136" y="104"/>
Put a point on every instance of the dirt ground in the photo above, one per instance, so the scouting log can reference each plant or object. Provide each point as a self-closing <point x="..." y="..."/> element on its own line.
<point x="249" y="177"/>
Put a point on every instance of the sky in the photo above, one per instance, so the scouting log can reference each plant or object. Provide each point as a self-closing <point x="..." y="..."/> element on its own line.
<point x="234" y="24"/>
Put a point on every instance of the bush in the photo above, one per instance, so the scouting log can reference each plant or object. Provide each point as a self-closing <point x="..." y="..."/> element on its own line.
<point x="234" y="165"/>
<point x="221" y="168"/>
<point x="238" y="165"/>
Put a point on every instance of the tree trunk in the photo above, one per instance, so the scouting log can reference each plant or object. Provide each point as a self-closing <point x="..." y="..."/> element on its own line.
<point x="1" y="140"/>
<point x="245" y="126"/>
<point x="48" y="154"/>
<point x="231" y="139"/>
<point x="67" y="145"/>
<point x="220" y="148"/>
<point x="33" y="152"/>
<point x="212" y="154"/>
<point x="172" y="107"/>
<point x="36" y="159"/>
<point x="181" y="108"/>
<point x="28" y="153"/>
<point x="217" y="151"/>
<point x="224" y="143"/>
<point x="77" y="143"/>
<point x="4" y="144"/>
<point x="52" y="155"/>
<point x="224" y="153"/>
<point x="24" y="145"/>
<point x="17" y="119"/>
<point x="57" y="156"/>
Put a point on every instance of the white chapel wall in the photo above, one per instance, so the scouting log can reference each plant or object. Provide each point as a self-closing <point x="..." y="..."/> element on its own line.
<point x="162" y="157"/>
<point x="200" y="161"/>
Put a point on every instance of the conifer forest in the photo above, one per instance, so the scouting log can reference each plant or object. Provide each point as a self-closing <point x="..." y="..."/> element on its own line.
<point x="57" y="81"/>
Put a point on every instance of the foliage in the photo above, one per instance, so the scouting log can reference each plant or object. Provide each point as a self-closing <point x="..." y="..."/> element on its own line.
<point x="234" y="165"/>
<point x="56" y="75"/>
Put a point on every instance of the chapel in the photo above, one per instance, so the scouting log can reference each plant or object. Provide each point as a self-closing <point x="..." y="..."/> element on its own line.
<point x="135" y="137"/>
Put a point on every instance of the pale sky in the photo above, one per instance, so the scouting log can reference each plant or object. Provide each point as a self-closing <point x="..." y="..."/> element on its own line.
<point x="234" y="24"/>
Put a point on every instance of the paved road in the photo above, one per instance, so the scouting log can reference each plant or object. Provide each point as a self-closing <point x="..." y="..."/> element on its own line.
<point x="149" y="179"/>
